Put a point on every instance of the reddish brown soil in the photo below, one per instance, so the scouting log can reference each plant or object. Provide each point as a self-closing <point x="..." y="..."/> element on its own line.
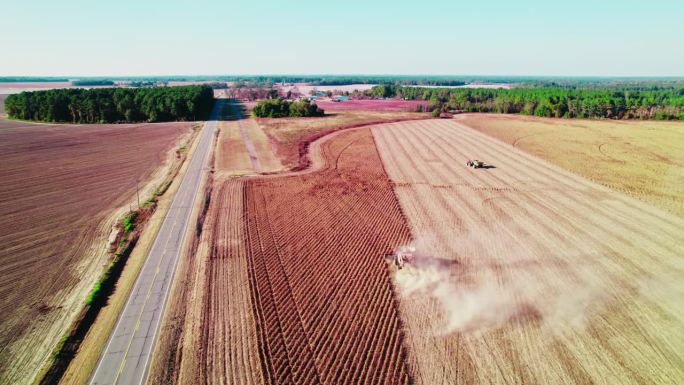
<point x="288" y="284"/>
<point x="292" y="136"/>
<point x="321" y="291"/>
<point x="374" y="105"/>
<point x="59" y="184"/>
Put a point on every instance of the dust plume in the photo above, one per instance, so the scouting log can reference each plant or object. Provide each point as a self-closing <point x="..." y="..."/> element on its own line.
<point x="509" y="286"/>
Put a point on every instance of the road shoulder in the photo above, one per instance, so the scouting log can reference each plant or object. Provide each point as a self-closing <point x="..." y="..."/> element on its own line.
<point x="86" y="359"/>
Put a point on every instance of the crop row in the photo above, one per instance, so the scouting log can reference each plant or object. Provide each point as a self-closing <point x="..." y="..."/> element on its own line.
<point x="322" y="296"/>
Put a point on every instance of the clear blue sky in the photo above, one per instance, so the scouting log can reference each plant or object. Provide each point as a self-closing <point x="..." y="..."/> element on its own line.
<point x="488" y="37"/>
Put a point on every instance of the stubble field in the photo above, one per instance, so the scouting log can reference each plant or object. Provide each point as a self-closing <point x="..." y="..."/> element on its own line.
<point x="61" y="187"/>
<point x="528" y="273"/>
<point x="644" y="159"/>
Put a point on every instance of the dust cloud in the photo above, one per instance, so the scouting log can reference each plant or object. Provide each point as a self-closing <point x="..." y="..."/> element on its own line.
<point x="509" y="284"/>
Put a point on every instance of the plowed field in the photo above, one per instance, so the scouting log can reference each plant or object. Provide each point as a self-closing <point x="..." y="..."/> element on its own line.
<point x="321" y="291"/>
<point x="60" y="187"/>
<point x="528" y="273"/>
<point x="288" y="285"/>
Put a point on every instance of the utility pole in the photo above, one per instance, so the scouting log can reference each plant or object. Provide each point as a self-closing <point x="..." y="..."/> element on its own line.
<point x="137" y="193"/>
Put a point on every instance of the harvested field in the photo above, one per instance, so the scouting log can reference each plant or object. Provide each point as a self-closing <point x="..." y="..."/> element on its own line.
<point x="291" y="136"/>
<point x="288" y="284"/>
<point x="243" y="147"/>
<point x="2" y="104"/>
<point x="306" y="88"/>
<point x="63" y="186"/>
<point x="644" y="159"/>
<point x="527" y="273"/>
<point x="388" y="105"/>
<point x="322" y="295"/>
<point x="209" y="332"/>
<point x="14" y="88"/>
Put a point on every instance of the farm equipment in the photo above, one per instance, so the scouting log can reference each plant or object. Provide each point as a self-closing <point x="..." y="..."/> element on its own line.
<point x="402" y="256"/>
<point x="475" y="163"/>
<point x="406" y="256"/>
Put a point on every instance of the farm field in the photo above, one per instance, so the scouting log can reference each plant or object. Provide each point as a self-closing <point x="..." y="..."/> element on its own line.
<point x="64" y="186"/>
<point x="387" y="105"/>
<point x="209" y="331"/>
<point x="291" y="136"/>
<point x="14" y="88"/>
<point x="527" y="273"/>
<point x="644" y="159"/>
<point x="306" y="88"/>
<point x="285" y="290"/>
<point x="243" y="147"/>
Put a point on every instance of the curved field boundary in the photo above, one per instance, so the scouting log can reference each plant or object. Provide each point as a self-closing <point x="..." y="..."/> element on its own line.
<point x="240" y="314"/>
<point x="321" y="292"/>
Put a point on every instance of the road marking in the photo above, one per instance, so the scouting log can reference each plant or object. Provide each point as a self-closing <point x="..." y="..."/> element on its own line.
<point x="189" y="188"/>
<point x="147" y="297"/>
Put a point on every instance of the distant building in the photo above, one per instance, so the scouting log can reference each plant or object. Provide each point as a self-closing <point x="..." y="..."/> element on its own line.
<point x="340" y="98"/>
<point x="312" y="98"/>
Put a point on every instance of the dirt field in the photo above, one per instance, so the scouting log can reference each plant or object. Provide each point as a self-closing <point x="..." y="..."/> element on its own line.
<point x="13" y="88"/>
<point x="528" y="273"/>
<point x="243" y="147"/>
<point x="2" y="104"/>
<point x="285" y="290"/>
<point x="209" y="332"/>
<point x="644" y="159"/>
<point x="387" y="105"/>
<point x="306" y="88"/>
<point x="61" y="187"/>
<point x="290" y="136"/>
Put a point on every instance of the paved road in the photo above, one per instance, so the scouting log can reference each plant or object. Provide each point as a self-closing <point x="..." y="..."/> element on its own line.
<point x="127" y="355"/>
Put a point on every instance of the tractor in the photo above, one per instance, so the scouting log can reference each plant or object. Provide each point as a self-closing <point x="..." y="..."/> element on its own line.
<point x="402" y="256"/>
<point x="475" y="163"/>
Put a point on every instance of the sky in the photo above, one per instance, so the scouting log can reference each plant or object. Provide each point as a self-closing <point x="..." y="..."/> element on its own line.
<point x="213" y="37"/>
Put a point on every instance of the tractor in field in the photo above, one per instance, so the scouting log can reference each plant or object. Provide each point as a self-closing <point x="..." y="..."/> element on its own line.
<point x="402" y="256"/>
<point x="475" y="163"/>
<point x="407" y="256"/>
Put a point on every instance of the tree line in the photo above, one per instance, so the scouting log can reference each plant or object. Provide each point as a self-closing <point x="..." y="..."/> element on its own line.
<point x="649" y="103"/>
<point x="113" y="105"/>
<point x="92" y="83"/>
<point x="280" y="108"/>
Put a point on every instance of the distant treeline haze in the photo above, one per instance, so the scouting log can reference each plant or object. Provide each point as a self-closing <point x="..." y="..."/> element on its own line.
<point x="661" y="104"/>
<point x="113" y="105"/>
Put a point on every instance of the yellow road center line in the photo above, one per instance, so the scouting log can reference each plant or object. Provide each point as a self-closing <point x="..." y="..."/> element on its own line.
<point x="149" y="293"/>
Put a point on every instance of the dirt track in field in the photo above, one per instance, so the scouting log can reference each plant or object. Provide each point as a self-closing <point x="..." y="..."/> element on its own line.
<point x="60" y="187"/>
<point x="530" y="274"/>
<point x="2" y="103"/>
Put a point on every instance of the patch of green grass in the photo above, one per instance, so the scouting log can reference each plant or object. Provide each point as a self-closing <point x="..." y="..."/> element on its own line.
<point x="129" y="221"/>
<point x="60" y="346"/>
<point x="95" y="292"/>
